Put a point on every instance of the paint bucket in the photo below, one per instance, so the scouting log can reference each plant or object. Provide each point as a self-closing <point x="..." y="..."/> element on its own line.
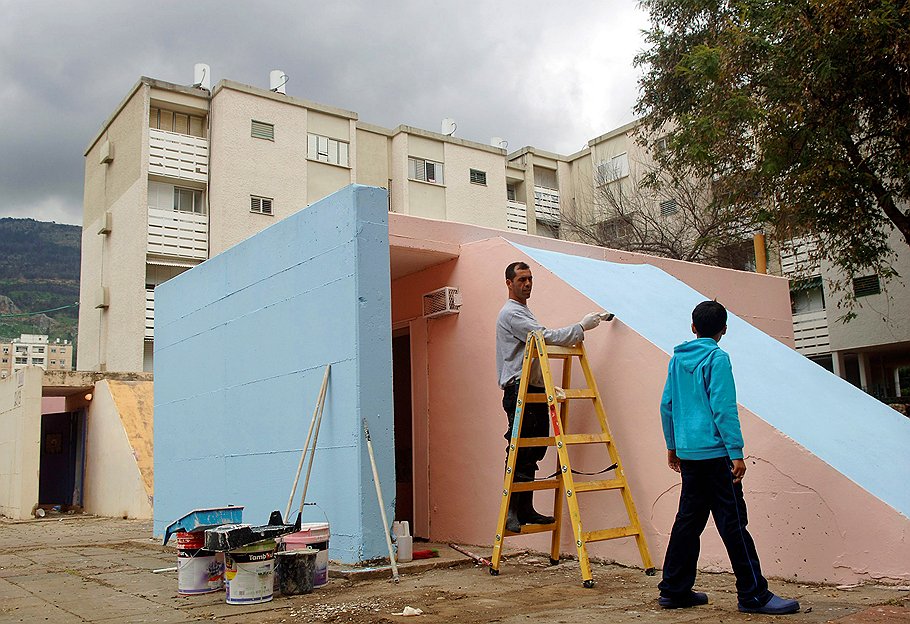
<point x="248" y="573"/>
<point x="313" y="535"/>
<point x="295" y="570"/>
<point x="199" y="571"/>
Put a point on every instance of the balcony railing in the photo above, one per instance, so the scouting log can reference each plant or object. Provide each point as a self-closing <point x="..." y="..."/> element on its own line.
<point x="149" y="313"/>
<point x="797" y="257"/>
<point x="178" y="234"/>
<point x="810" y="333"/>
<point x="546" y="205"/>
<point x="178" y="155"/>
<point x="516" y="216"/>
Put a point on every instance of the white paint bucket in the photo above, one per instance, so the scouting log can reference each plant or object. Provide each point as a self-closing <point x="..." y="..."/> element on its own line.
<point x="248" y="573"/>
<point x="198" y="571"/>
<point x="313" y="535"/>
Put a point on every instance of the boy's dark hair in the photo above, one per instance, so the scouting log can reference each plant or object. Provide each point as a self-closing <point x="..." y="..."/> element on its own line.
<point x="515" y="266"/>
<point x="709" y="318"/>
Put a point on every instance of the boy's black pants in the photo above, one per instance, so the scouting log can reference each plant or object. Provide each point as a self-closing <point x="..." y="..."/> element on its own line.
<point x="707" y="487"/>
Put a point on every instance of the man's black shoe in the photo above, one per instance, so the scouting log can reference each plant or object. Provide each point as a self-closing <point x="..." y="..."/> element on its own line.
<point x="512" y="523"/>
<point x="532" y="517"/>
<point x="694" y="599"/>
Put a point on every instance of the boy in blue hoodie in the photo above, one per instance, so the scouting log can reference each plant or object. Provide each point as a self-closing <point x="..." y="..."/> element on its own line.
<point x="705" y="445"/>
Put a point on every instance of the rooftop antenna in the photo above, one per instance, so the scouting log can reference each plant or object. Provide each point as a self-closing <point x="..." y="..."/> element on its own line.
<point x="202" y="76"/>
<point x="277" y="80"/>
<point x="449" y="126"/>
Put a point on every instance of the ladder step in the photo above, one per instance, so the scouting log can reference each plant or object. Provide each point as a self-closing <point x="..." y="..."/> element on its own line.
<point x="571" y="393"/>
<point x="608" y="534"/>
<point x="569" y="438"/>
<point x="564" y="352"/>
<point x="527" y="529"/>
<point x="597" y="486"/>
<point x="529" y="486"/>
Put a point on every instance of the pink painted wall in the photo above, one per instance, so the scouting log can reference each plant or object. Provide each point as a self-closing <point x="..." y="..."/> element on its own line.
<point x="809" y="522"/>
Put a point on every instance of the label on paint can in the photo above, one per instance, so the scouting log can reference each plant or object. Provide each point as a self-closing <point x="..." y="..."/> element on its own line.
<point x="249" y="576"/>
<point x="199" y="572"/>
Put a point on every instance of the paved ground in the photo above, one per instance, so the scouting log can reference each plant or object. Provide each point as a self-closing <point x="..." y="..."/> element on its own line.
<point x="87" y="569"/>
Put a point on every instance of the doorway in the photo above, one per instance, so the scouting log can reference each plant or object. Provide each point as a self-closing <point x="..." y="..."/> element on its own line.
<point x="60" y="464"/>
<point x="401" y="397"/>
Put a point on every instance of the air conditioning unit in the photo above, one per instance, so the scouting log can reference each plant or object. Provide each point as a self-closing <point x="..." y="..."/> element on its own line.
<point x="441" y="302"/>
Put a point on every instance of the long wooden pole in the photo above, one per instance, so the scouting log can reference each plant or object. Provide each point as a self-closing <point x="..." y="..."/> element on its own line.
<point x="385" y="522"/>
<point x="316" y="411"/>
<point x="309" y="467"/>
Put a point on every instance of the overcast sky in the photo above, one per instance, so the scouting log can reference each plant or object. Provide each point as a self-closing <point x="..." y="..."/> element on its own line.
<point x="542" y="73"/>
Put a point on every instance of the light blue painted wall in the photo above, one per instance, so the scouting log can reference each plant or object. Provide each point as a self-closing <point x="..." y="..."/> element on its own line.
<point x="241" y="344"/>
<point x="859" y="436"/>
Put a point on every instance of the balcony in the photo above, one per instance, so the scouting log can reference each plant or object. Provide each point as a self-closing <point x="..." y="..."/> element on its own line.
<point x="810" y="332"/>
<point x="516" y="216"/>
<point x="149" y="313"/>
<point x="178" y="155"/>
<point x="546" y="205"/>
<point x="178" y="234"/>
<point x="798" y="257"/>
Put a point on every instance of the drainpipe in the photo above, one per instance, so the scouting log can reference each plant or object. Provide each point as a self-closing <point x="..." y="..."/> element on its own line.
<point x="761" y="255"/>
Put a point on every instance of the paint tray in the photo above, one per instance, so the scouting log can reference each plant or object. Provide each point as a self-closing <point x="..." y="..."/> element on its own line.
<point x="200" y="519"/>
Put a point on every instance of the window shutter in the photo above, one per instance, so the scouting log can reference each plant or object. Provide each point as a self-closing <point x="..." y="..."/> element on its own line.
<point x="866" y="285"/>
<point x="668" y="207"/>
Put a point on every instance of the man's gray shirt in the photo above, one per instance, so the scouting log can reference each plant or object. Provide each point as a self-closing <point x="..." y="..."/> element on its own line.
<point x="512" y="326"/>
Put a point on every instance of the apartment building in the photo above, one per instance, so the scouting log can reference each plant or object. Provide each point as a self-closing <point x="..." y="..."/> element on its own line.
<point x="178" y="174"/>
<point x="872" y="351"/>
<point x="35" y="350"/>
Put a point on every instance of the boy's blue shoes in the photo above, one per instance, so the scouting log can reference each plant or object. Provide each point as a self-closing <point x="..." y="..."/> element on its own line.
<point x="692" y="600"/>
<point x="775" y="606"/>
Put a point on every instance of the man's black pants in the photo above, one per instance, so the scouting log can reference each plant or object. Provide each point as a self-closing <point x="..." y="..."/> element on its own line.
<point x="534" y="423"/>
<point x="707" y="487"/>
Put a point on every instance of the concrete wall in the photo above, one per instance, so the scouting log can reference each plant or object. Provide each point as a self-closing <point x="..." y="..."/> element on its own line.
<point x="467" y="202"/>
<point x="20" y="442"/>
<point x="881" y="319"/>
<point x="115" y="260"/>
<point x="242" y="343"/>
<point x="810" y="520"/>
<point x="118" y="458"/>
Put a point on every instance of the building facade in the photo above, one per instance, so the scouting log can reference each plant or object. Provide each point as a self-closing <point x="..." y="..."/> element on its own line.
<point x="178" y="174"/>
<point x="35" y="350"/>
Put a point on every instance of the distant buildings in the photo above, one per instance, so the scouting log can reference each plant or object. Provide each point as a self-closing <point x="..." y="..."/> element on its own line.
<point x="35" y="350"/>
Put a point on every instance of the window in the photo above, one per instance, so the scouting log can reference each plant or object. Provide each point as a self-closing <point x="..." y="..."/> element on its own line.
<point x="53" y="349"/>
<point x="188" y="200"/>
<point x="425" y="170"/>
<point x="668" y="207"/>
<point x="262" y="130"/>
<point x="511" y="195"/>
<point x="21" y="360"/>
<point x="615" y="168"/>
<point x="37" y="360"/>
<point x="867" y="285"/>
<point x="660" y="145"/>
<point x="327" y="150"/>
<point x="38" y="349"/>
<point x="261" y="205"/>
<point x="478" y="177"/>
<point x="615" y="230"/>
<point x="5" y="360"/>
<point x="172" y="121"/>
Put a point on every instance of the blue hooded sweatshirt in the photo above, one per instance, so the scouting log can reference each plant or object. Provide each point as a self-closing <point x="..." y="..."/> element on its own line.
<point x="698" y="408"/>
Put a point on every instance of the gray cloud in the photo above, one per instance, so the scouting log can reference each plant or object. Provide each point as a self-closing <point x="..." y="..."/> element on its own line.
<point x="552" y="75"/>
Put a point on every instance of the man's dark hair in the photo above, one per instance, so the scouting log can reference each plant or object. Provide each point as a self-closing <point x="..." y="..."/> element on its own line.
<point x="709" y="318"/>
<point x="515" y="266"/>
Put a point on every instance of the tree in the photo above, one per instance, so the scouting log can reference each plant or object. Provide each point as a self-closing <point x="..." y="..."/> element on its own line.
<point x="662" y="211"/>
<point x="802" y="104"/>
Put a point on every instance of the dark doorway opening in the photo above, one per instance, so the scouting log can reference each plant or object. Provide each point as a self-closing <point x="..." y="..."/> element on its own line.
<point x="401" y="394"/>
<point x="60" y="467"/>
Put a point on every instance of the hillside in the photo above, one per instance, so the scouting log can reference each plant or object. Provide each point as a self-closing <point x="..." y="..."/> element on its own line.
<point x="39" y="272"/>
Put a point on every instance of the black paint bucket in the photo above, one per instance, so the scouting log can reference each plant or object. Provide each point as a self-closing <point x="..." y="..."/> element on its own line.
<point x="294" y="571"/>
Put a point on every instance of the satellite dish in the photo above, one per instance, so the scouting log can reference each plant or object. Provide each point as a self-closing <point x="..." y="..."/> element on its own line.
<point x="277" y="80"/>
<point x="449" y="126"/>
<point x="499" y="142"/>
<point x="202" y="76"/>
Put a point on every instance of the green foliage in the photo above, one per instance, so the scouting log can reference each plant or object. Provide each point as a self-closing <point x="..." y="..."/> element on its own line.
<point x="39" y="270"/>
<point x="804" y="104"/>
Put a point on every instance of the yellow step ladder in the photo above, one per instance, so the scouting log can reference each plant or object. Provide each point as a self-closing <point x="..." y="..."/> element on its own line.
<point x="564" y="483"/>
